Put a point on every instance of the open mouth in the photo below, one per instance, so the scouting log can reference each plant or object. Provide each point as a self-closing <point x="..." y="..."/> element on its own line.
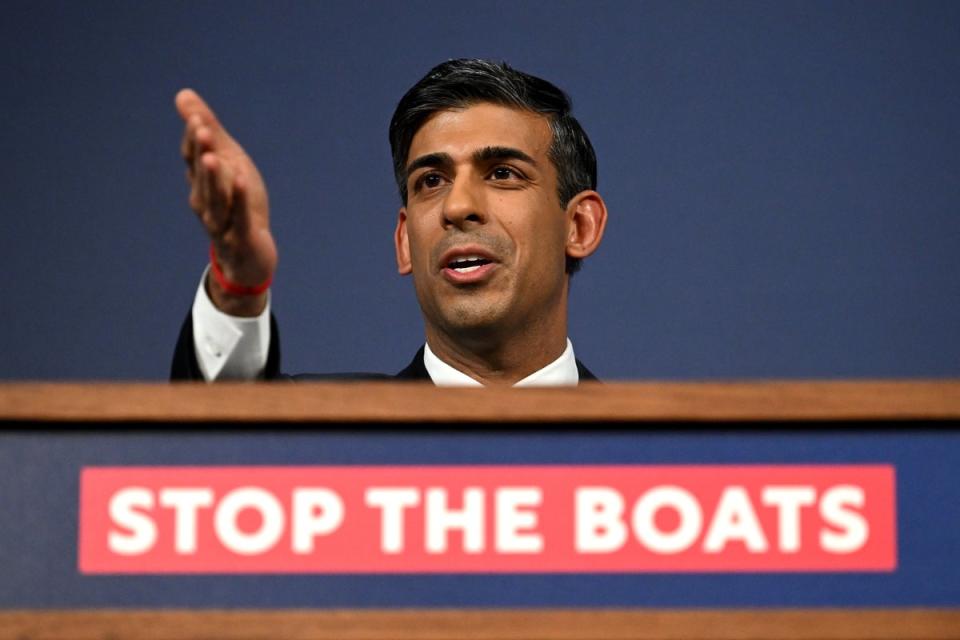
<point x="467" y="264"/>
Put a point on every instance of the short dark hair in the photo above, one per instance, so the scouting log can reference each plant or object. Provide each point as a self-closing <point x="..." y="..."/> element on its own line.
<point x="457" y="84"/>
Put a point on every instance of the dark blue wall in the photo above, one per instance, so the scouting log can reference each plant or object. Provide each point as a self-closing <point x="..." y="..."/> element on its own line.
<point x="783" y="178"/>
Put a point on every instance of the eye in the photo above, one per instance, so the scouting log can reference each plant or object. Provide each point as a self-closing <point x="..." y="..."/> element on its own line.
<point x="429" y="180"/>
<point x="504" y="173"/>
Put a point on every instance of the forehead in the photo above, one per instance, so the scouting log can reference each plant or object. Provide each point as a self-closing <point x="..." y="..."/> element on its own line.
<point x="459" y="132"/>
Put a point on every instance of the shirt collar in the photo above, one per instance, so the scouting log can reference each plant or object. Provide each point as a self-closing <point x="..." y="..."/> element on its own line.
<point x="561" y="372"/>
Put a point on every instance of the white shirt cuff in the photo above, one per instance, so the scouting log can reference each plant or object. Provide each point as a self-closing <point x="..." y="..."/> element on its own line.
<point x="228" y="347"/>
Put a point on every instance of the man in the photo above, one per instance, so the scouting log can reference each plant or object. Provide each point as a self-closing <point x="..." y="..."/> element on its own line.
<point x="497" y="182"/>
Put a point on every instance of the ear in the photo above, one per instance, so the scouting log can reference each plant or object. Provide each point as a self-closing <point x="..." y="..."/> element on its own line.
<point x="402" y="244"/>
<point x="586" y="220"/>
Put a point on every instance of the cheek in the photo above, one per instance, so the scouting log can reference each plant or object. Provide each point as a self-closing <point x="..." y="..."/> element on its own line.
<point x="419" y="251"/>
<point x="545" y="240"/>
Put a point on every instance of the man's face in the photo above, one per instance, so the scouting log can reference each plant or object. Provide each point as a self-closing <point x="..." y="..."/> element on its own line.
<point x="483" y="231"/>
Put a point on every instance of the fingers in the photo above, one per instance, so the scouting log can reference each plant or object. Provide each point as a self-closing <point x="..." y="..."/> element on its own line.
<point x="196" y="113"/>
<point x="187" y="144"/>
<point x="208" y="173"/>
<point x="189" y="104"/>
<point x="198" y="138"/>
<point x="204" y="135"/>
<point x="215" y="196"/>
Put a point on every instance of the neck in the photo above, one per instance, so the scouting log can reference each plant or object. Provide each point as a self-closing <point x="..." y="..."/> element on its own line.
<point x="501" y="360"/>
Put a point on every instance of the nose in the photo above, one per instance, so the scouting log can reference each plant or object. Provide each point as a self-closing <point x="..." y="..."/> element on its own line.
<point x="464" y="203"/>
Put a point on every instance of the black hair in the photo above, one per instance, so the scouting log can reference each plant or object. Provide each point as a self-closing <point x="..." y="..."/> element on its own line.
<point x="457" y="84"/>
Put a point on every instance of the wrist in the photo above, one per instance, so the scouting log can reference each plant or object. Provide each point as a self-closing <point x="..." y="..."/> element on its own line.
<point x="233" y="305"/>
<point x="231" y="286"/>
<point x="234" y="298"/>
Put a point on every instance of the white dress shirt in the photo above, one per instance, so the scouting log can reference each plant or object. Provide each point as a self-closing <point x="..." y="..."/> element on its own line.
<point x="559" y="373"/>
<point x="233" y="348"/>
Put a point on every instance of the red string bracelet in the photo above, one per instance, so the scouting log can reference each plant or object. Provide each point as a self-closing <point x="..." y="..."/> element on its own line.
<point x="233" y="287"/>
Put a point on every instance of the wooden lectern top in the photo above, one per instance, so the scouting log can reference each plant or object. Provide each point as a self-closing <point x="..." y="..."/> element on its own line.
<point x="417" y="402"/>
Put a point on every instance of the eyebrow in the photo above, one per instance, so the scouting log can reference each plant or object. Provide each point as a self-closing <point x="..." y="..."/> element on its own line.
<point x="430" y="160"/>
<point x="502" y="153"/>
<point x="486" y="154"/>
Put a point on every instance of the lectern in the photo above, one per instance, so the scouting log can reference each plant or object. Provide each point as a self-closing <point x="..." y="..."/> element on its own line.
<point x="402" y="511"/>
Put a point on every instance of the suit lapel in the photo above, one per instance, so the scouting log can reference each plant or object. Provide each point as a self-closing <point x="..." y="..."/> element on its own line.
<point x="415" y="370"/>
<point x="585" y="374"/>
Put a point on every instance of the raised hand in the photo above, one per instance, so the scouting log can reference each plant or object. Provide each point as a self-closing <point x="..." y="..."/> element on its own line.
<point x="228" y="195"/>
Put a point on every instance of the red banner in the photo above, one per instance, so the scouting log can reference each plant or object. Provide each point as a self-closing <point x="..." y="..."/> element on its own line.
<point x="487" y="519"/>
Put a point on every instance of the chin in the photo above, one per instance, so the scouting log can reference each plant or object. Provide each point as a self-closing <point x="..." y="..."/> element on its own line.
<point x="473" y="319"/>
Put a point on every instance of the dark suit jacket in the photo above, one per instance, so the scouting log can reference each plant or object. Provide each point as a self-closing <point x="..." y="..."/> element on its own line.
<point x="185" y="365"/>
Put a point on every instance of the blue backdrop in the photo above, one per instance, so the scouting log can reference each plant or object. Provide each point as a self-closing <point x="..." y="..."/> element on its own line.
<point x="783" y="178"/>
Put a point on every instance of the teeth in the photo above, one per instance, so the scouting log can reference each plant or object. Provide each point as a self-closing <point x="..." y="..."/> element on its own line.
<point x="466" y="264"/>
